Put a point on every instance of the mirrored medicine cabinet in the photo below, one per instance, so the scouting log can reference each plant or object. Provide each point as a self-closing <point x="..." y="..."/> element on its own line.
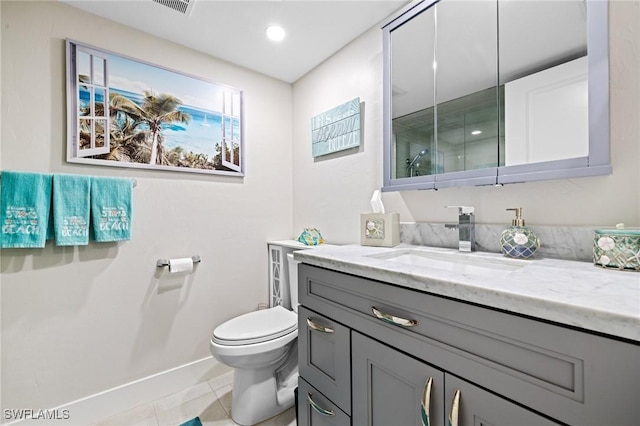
<point x="486" y="92"/>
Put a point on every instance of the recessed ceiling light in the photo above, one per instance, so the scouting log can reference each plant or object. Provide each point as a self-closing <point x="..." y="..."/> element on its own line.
<point x="275" y="33"/>
<point x="476" y="132"/>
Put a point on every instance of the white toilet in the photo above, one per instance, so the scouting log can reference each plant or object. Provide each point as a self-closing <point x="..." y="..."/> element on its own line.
<point x="262" y="347"/>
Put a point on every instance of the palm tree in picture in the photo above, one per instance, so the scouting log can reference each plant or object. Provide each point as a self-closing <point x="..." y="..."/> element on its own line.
<point x="155" y="111"/>
<point x="175" y="156"/>
<point x="127" y="143"/>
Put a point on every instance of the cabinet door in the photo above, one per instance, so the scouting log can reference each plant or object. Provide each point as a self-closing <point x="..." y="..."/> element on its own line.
<point x="391" y="388"/>
<point x="325" y="356"/>
<point x="468" y="405"/>
<point x="314" y="409"/>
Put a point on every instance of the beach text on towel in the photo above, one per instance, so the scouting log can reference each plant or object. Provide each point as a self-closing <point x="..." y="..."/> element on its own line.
<point x="21" y="220"/>
<point x="114" y="219"/>
<point x="74" y="226"/>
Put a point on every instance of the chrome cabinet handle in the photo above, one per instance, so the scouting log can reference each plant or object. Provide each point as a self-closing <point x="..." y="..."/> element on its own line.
<point x="318" y="408"/>
<point x="392" y="319"/>
<point x="426" y="399"/>
<point x="317" y="327"/>
<point x="455" y="408"/>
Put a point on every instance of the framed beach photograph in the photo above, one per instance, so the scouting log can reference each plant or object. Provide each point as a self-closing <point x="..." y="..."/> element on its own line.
<point x="127" y="113"/>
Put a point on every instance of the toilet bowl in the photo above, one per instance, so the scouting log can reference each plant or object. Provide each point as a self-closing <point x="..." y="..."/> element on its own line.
<point x="262" y="347"/>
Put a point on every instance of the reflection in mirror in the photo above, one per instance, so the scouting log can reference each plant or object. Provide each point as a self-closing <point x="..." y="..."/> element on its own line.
<point x="544" y="73"/>
<point x="495" y="91"/>
<point x="413" y="48"/>
<point x="461" y="131"/>
<point x="466" y="90"/>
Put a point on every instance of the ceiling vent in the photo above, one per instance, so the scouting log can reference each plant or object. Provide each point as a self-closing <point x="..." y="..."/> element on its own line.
<point x="182" y="6"/>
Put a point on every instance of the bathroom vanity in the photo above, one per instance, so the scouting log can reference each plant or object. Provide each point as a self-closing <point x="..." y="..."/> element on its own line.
<point x="410" y="336"/>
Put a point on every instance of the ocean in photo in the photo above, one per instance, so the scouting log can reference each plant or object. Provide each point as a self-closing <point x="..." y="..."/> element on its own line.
<point x="199" y="136"/>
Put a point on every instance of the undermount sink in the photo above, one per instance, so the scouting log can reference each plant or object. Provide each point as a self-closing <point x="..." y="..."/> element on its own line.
<point x="465" y="263"/>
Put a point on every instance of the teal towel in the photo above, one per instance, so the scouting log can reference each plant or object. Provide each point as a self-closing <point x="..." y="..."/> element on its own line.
<point x="25" y="203"/>
<point x="193" y="422"/>
<point x="111" y="208"/>
<point x="71" y="209"/>
<point x="50" y="231"/>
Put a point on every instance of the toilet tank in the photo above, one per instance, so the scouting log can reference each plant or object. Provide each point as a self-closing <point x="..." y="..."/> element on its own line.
<point x="292" y="264"/>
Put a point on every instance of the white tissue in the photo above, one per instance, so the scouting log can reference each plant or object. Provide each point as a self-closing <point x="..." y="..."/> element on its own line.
<point x="182" y="265"/>
<point x="376" y="202"/>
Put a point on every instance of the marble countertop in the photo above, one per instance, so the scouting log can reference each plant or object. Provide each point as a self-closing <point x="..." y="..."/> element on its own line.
<point x="289" y="244"/>
<point x="574" y="293"/>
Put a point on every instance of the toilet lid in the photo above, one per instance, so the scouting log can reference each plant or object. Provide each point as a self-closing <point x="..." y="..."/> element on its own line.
<point x="257" y="326"/>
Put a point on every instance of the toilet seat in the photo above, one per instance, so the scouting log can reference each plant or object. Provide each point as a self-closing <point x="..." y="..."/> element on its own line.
<point x="256" y="327"/>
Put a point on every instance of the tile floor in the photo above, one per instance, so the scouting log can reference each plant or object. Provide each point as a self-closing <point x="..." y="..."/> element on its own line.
<point x="210" y="400"/>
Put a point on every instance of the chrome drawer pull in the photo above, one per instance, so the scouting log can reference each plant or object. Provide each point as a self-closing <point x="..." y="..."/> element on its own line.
<point x="455" y="407"/>
<point x="318" y="408"/>
<point x="393" y="320"/>
<point x="426" y="399"/>
<point x="317" y="327"/>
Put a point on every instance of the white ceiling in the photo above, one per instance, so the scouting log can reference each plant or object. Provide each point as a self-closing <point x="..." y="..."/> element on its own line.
<point x="235" y="30"/>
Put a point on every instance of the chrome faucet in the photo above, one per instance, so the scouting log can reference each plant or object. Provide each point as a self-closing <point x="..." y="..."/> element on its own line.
<point x="466" y="228"/>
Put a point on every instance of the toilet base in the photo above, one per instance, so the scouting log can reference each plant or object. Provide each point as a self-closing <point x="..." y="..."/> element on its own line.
<point x="256" y="397"/>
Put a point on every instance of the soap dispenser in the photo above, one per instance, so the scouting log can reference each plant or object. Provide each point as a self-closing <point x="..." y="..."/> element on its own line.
<point x="517" y="240"/>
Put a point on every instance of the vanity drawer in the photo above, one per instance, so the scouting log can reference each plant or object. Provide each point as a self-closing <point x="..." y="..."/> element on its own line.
<point x="324" y="349"/>
<point x="314" y="409"/>
<point x="567" y="374"/>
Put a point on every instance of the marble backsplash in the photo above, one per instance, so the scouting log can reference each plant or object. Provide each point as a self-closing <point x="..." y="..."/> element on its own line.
<point x="557" y="242"/>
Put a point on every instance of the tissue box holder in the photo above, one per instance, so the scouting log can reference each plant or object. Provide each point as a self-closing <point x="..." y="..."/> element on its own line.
<point x="617" y="249"/>
<point x="380" y="229"/>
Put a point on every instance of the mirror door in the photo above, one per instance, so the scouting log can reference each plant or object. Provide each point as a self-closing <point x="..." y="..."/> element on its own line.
<point x="485" y="92"/>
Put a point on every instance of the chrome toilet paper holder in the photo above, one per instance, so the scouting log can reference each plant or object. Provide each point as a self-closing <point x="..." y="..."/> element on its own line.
<point x="161" y="263"/>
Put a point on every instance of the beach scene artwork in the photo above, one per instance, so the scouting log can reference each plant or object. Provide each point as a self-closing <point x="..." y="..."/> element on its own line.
<point x="130" y="113"/>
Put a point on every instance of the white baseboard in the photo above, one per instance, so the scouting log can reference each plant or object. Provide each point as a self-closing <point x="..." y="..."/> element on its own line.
<point x="93" y="408"/>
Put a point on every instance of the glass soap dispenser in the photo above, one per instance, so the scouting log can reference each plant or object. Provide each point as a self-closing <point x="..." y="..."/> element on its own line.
<point x="518" y="241"/>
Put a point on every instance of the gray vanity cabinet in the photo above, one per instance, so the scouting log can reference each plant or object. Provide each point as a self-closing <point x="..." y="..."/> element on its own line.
<point x="403" y="391"/>
<point x="315" y="409"/>
<point x="387" y="341"/>
<point x="478" y="407"/>
<point x="394" y="388"/>
<point x="324" y="350"/>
